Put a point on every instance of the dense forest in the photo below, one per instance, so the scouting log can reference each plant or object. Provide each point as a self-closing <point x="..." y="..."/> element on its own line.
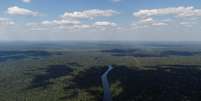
<point x="65" y="73"/>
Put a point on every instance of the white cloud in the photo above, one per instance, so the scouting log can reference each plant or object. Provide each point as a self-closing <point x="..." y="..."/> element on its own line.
<point x="150" y="21"/>
<point x="26" y="1"/>
<point x="150" y="17"/>
<point x="176" y="11"/>
<point x="14" y="10"/>
<point x="71" y="25"/>
<point x="4" y="22"/>
<point x="147" y="22"/>
<point x="60" y="22"/>
<point x="105" y="23"/>
<point x="81" y="26"/>
<point x="89" y="14"/>
<point x="159" y="24"/>
<point x="56" y="24"/>
<point x="73" y="20"/>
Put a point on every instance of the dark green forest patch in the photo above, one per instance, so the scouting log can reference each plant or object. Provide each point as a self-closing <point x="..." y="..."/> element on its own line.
<point x="160" y="84"/>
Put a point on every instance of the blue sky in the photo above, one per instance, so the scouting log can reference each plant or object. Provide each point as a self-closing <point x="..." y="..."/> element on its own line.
<point x="133" y="20"/>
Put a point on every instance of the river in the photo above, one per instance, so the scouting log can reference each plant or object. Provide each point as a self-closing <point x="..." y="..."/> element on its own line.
<point x="106" y="87"/>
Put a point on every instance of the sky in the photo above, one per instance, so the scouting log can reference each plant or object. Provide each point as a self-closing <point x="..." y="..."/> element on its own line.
<point x="107" y="20"/>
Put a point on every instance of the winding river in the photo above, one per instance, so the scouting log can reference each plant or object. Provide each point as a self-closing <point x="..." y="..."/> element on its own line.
<point x="106" y="87"/>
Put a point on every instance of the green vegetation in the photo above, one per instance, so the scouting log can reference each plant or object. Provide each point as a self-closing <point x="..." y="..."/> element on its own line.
<point x="142" y="72"/>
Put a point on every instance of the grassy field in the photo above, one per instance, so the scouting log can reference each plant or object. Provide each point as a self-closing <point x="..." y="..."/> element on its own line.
<point x="71" y="71"/>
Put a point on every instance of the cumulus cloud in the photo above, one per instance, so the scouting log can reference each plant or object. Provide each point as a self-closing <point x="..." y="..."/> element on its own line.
<point x="71" y="25"/>
<point x="105" y="23"/>
<point x="26" y="1"/>
<point x="149" y="17"/>
<point x="89" y="14"/>
<point x="56" y="24"/>
<point x="177" y="11"/>
<point x="14" y="10"/>
<point x="60" y="22"/>
<point x="5" y="22"/>
<point x="74" y="20"/>
<point x="148" y="22"/>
